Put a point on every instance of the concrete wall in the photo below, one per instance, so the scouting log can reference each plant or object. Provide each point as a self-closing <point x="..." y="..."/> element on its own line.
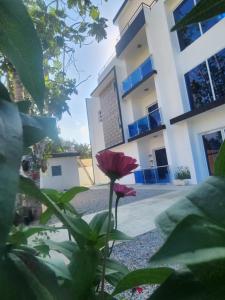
<point x="69" y="177"/>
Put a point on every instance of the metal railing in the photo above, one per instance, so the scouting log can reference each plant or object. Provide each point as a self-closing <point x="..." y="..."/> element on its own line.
<point x="138" y="75"/>
<point x="146" y="124"/>
<point x="133" y="17"/>
<point x="153" y="175"/>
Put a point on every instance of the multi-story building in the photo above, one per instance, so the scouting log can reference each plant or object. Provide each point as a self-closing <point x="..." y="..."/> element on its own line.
<point x="161" y="99"/>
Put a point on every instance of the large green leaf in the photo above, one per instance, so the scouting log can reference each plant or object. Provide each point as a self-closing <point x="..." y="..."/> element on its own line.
<point x="24" y="106"/>
<point x="142" y="276"/>
<point x="99" y="223"/>
<point x="10" y="156"/>
<point x="37" y="128"/>
<point x="58" y="267"/>
<point x="83" y="269"/>
<point x="205" y="9"/>
<point x="28" y="187"/>
<point x="206" y="200"/>
<point x="194" y="240"/>
<point x="219" y="165"/>
<point x="66" y="248"/>
<point x="71" y="193"/>
<point x="20" y="44"/>
<point x="181" y="285"/>
<point x="35" y="285"/>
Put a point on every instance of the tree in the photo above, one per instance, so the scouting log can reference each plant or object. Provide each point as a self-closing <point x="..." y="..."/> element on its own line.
<point x="62" y="27"/>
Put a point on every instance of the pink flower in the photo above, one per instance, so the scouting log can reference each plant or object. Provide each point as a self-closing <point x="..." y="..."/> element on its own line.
<point x="139" y="290"/>
<point x="123" y="191"/>
<point x="115" y="164"/>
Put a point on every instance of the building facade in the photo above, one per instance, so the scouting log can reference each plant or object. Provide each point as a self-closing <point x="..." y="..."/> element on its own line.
<point x="161" y="99"/>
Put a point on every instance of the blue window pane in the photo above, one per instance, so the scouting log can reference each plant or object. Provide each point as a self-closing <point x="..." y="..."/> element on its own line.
<point x="146" y="67"/>
<point x="133" y="129"/>
<point x="127" y="85"/>
<point x="217" y="70"/>
<point x="150" y="176"/>
<point x="152" y="107"/>
<point x="190" y="33"/>
<point x="154" y="119"/>
<point x="143" y="125"/>
<point x="198" y="86"/>
<point x="56" y="171"/>
<point x="206" y="25"/>
<point x="136" y="77"/>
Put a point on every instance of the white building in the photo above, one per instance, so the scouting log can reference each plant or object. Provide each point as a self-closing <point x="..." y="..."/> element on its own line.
<point x="162" y="98"/>
<point x="66" y="170"/>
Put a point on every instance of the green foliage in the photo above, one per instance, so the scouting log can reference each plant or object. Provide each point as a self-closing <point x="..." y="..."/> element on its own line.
<point x="219" y="166"/>
<point x="62" y="200"/>
<point x="142" y="276"/>
<point x="10" y="155"/>
<point x="16" y="33"/>
<point x="182" y="173"/>
<point x="205" y="9"/>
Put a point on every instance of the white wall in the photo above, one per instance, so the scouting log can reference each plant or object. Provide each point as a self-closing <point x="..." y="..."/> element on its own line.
<point x="69" y="177"/>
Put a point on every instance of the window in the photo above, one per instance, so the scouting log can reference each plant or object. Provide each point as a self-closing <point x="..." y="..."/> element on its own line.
<point x="212" y="143"/>
<point x="206" y="25"/>
<point x="56" y="171"/>
<point x="217" y="70"/>
<point x="190" y="33"/>
<point x="198" y="86"/>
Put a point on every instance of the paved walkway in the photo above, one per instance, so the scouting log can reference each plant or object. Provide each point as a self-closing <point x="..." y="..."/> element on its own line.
<point x="139" y="217"/>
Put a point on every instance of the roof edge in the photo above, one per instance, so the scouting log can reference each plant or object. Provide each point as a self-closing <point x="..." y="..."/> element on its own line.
<point x="120" y="10"/>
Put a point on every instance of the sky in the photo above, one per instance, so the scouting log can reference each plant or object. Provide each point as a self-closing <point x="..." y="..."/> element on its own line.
<point x="90" y="60"/>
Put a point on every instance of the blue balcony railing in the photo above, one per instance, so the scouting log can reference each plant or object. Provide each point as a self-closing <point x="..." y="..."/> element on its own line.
<point x="153" y="175"/>
<point x="145" y="124"/>
<point x="138" y="75"/>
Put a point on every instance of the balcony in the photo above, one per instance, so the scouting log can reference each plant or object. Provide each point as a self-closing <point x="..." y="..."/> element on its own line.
<point x="142" y="73"/>
<point x="134" y="25"/>
<point x="160" y="175"/>
<point x="146" y="125"/>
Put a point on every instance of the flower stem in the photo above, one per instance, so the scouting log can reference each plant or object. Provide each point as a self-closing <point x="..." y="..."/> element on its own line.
<point x="106" y="249"/>
<point x="116" y="221"/>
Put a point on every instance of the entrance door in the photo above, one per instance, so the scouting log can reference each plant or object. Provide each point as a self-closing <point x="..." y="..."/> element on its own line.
<point x="212" y="143"/>
<point x="162" y="172"/>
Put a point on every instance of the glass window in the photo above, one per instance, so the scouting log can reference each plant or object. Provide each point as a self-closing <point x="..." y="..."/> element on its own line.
<point x="56" y="171"/>
<point x="198" y="86"/>
<point x="133" y="129"/>
<point x="190" y="33"/>
<point x="217" y="70"/>
<point x="212" y="143"/>
<point x="206" y="25"/>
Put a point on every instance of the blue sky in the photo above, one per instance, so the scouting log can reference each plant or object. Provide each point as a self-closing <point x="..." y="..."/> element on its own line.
<point x="90" y="59"/>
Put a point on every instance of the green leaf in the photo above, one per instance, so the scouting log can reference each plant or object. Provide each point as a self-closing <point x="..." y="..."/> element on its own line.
<point x="219" y="165"/>
<point x="10" y="157"/>
<point x="181" y="285"/>
<point x="83" y="269"/>
<point x="207" y="243"/>
<point x="66" y="248"/>
<point x="46" y="216"/>
<point x="28" y="187"/>
<point x="58" y="267"/>
<point x="24" y="106"/>
<point x="114" y="235"/>
<point x="37" y="128"/>
<point x="4" y="94"/>
<point x="142" y="276"/>
<point x="204" y="10"/>
<point x="53" y="194"/>
<point x="71" y="193"/>
<point x="206" y="200"/>
<point x="39" y="290"/>
<point x="20" y="44"/>
<point x="94" y="13"/>
<point x="99" y="223"/>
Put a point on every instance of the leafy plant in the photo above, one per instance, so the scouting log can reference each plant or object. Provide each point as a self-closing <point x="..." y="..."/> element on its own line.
<point x="182" y="173"/>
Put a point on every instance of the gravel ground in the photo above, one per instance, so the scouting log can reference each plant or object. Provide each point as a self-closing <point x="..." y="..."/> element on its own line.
<point x="96" y="200"/>
<point x="135" y="254"/>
